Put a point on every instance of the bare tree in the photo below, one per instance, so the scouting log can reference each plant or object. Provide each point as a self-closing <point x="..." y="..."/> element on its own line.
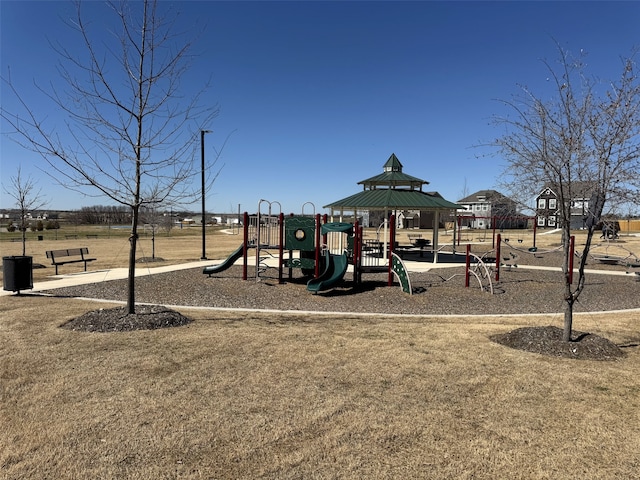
<point x="28" y="199"/>
<point x="126" y="117"/>
<point x="588" y="133"/>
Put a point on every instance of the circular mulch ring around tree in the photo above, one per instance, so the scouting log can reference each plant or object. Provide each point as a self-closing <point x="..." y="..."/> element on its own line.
<point x="147" y="317"/>
<point x="548" y="341"/>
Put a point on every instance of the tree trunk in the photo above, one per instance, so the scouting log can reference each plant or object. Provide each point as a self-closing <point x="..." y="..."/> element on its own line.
<point x="133" y="239"/>
<point x="567" y="273"/>
<point x="568" y="320"/>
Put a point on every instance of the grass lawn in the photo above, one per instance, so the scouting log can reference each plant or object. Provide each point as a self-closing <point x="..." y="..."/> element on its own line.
<point x="247" y="395"/>
<point x="241" y="395"/>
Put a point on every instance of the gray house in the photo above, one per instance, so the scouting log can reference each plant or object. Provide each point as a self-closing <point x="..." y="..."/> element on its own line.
<point x="548" y="205"/>
<point x="480" y="208"/>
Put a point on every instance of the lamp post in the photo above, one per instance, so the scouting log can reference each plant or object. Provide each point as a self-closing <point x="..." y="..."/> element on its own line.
<point x="202" y="132"/>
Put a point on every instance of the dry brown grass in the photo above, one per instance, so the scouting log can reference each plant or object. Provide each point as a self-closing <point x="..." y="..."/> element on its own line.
<point x="238" y="395"/>
<point x="186" y="246"/>
<point x="180" y="247"/>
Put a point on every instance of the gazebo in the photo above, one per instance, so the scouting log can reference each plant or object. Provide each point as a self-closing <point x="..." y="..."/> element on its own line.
<point x="394" y="190"/>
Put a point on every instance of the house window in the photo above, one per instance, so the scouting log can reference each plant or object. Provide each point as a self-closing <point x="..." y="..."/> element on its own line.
<point x="542" y="203"/>
<point x="541" y="221"/>
<point x="485" y="207"/>
<point x="552" y="221"/>
<point x="552" y="204"/>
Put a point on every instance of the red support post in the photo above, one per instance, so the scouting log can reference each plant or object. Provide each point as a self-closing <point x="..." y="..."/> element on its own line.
<point x="281" y="248"/>
<point x="493" y="237"/>
<point x="360" y="243"/>
<point x="317" y="266"/>
<point x="498" y="258"/>
<point x="245" y="231"/>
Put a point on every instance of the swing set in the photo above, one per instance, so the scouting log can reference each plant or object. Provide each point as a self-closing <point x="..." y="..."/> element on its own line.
<point x="497" y="224"/>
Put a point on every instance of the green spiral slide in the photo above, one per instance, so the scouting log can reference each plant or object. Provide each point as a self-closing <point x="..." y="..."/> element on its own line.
<point x="335" y="268"/>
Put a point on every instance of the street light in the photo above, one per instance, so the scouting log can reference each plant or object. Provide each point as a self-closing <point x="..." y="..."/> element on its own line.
<point x="202" y="132"/>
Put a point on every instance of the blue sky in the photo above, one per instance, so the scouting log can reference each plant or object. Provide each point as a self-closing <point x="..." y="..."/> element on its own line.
<point x="317" y="95"/>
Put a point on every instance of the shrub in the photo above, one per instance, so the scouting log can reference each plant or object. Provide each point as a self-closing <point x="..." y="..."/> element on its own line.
<point x="39" y="226"/>
<point x="11" y="227"/>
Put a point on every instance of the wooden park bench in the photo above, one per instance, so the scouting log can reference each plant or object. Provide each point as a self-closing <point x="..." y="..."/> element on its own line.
<point x="70" y="255"/>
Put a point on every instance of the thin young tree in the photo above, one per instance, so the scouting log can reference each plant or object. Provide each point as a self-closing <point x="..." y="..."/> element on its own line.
<point x="586" y="135"/>
<point x="130" y="132"/>
<point x="28" y="197"/>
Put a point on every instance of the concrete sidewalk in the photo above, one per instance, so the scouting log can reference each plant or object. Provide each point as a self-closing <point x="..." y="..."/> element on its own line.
<point x="83" y="278"/>
<point x="96" y="276"/>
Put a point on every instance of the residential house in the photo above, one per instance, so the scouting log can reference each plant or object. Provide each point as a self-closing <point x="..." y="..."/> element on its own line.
<point x="547" y="208"/>
<point x="548" y="205"/>
<point x="482" y="207"/>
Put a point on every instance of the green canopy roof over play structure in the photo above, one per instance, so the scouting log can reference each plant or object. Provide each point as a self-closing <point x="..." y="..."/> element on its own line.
<point x="393" y="190"/>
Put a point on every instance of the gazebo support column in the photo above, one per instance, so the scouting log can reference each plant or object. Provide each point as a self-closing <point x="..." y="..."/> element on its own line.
<point x="455" y="231"/>
<point x="386" y="235"/>
<point x="436" y="225"/>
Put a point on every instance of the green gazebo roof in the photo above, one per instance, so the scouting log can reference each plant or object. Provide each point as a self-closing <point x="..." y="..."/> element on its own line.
<point x="392" y="177"/>
<point x="408" y="196"/>
<point x="393" y="198"/>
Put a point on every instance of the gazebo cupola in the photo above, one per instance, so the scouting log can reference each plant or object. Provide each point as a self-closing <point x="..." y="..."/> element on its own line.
<point x="393" y="178"/>
<point x="393" y="164"/>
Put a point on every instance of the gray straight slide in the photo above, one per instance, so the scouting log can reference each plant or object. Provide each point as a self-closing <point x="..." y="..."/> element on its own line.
<point x="237" y="254"/>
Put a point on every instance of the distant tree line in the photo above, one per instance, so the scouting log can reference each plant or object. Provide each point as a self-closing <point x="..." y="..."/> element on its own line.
<point x="104" y="215"/>
<point x="121" y="215"/>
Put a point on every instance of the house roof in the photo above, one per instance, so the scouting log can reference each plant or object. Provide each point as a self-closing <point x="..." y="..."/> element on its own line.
<point x="578" y="189"/>
<point x="394" y="198"/>
<point x="392" y="177"/>
<point x="485" y="195"/>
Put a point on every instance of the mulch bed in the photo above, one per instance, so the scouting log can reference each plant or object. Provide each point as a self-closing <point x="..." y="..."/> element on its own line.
<point x="548" y="341"/>
<point x="438" y="292"/>
<point x="146" y="317"/>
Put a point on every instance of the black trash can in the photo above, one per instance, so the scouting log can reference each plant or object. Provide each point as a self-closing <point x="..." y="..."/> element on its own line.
<point x="17" y="273"/>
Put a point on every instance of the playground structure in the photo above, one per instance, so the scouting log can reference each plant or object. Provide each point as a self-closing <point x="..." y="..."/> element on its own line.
<point x="619" y="256"/>
<point x="622" y="257"/>
<point x="322" y="250"/>
<point x="325" y="251"/>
